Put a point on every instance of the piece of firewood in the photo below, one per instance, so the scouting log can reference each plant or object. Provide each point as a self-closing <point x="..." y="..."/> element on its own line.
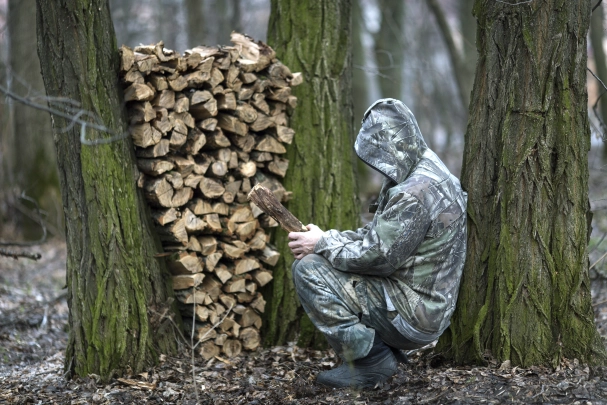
<point x="191" y="296"/>
<point x="208" y="244"/>
<point x="183" y="281"/>
<point x="259" y="102"/>
<point x="184" y="263"/>
<point x="258" y="241"/>
<point x="163" y="217"/>
<point x="145" y="135"/>
<point x="173" y="232"/>
<point x="245" y="265"/>
<point x="259" y="303"/>
<point x="284" y="134"/>
<point x="232" y="347"/>
<point x="139" y="92"/>
<point x="269" y="256"/>
<point x="249" y="318"/>
<point x="158" y="192"/>
<point x="268" y="143"/>
<point x="154" y="167"/>
<point x="278" y="166"/>
<point x="204" y="110"/>
<point x="228" y="300"/>
<point x="160" y="149"/>
<point x="211" y="188"/>
<point x="246" y="143"/>
<point x="250" y="338"/>
<point x="226" y="101"/>
<point x="193" y="244"/>
<point x="262" y="277"/>
<point x="211" y="260"/>
<point x="192" y="222"/>
<point x="222" y="272"/>
<point x="235" y="285"/>
<point x="164" y="99"/>
<point x="141" y="112"/>
<point x="265" y="199"/>
<point x="232" y="124"/>
<point x="217" y="140"/>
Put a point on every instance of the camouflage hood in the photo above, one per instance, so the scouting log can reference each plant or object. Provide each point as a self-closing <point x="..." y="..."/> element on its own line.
<point x="390" y="140"/>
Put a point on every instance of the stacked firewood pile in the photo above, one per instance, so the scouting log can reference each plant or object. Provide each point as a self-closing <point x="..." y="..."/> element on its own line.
<point x="207" y="127"/>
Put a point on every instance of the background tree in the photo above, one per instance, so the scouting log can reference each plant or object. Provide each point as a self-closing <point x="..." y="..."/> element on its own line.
<point x="116" y="288"/>
<point x="525" y="293"/>
<point x="597" y="35"/>
<point x="390" y="48"/>
<point x="30" y="165"/>
<point x="314" y="38"/>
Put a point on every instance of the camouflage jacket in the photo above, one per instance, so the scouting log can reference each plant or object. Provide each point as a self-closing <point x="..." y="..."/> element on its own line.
<point x="416" y="244"/>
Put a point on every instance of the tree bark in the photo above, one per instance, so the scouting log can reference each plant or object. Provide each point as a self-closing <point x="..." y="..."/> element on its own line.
<point x="314" y="38"/>
<point x="390" y="48"/>
<point x="30" y="155"/>
<point x="116" y="288"/>
<point x="597" y="34"/>
<point x="525" y="293"/>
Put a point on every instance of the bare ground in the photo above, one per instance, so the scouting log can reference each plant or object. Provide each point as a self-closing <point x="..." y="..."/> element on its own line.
<point x="33" y="325"/>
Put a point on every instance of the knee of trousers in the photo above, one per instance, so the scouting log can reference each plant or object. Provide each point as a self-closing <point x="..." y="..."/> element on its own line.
<point x="304" y="269"/>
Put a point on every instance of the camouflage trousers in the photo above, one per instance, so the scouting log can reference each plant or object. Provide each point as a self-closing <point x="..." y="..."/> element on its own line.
<point x="347" y="308"/>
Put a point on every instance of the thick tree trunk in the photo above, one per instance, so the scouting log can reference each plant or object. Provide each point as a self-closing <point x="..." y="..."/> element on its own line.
<point x="314" y="38"/>
<point x="525" y="294"/>
<point x="31" y="154"/>
<point x="116" y="288"/>
<point x="597" y="34"/>
<point x="390" y="48"/>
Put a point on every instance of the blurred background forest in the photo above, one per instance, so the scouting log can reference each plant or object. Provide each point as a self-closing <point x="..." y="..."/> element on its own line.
<point x="420" y="51"/>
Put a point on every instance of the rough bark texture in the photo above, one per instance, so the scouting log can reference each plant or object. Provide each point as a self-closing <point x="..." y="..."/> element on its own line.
<point x="390" y="48"/>
<point x="597" y="34"/>
<point x="314" y="38"/>
<point x="114" y="282"/>
<point x="525" y="294"/>
<point x="31" y="160"/>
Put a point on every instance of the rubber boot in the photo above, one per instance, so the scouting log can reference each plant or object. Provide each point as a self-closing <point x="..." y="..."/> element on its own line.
<point x="377" y="366"/>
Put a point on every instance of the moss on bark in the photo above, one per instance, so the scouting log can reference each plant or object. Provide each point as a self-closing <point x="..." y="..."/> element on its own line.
<point x="116" y="288"/>
<point x="314" y="38"/>
<point x="525" y="293"/>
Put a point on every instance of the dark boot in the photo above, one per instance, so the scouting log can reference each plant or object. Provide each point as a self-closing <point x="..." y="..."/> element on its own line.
<point x="377" y="366"/>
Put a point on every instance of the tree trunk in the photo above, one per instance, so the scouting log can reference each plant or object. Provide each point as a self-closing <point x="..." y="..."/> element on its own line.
<point x="597" y="34"/>
<point x="525" y="293"/>
<point x="314" y="38"/>
<point x="30" y="154"/>
<point x="390" y="48"/>
<point x="197" y="29"/>
<point x="116" y="288"/>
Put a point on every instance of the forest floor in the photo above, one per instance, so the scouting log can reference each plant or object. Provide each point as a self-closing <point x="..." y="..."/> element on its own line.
<point x="33" y="337"/>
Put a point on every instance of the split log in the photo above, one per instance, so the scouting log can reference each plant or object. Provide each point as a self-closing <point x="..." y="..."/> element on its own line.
<point x="213" y="222"/>
<point x="223" y="273"/>
<point x="211" y="188"/>
<point x="250" y="318"/>
<point x="259" y="304"/>
<point x="145" y="135"/>
<point x="158" y="192"/>
<point x="245" y="265"/>
<point x="270" y="256"/>
<point x="250" y="338"/>
<point x="181" y="197"/>
<point x="192" y="222"/>
<point x="164" y="99"/>
<point x="183" y="281"/>
<point x="211" y="260"/>
<point x="163" y="217"/>
<point x="232" y="347"/>
<point x="217" y="140"/>
<point x="200" y="207"/>
<point x="184" y="263"/>
<point x="208" y="244"/>
<point x="268" y="143"/>
<point x="265" y="199"/>
<point x="139" y="92"/>
<point x="174" y="232"/>
<point x="235" y="285"/>
<point x="262" y="277"/>
<point x="160" y="149"/>
<point x="232" y="124"/>
<point x="192" y="296"/>
<point x="154" y="167"/>
<point x="226" y="101"/>
<point x="141" y="112"/>
<point x="209" y="350"/>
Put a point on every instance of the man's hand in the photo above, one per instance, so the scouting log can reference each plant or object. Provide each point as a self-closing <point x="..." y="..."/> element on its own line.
<point x="302" y="243"/>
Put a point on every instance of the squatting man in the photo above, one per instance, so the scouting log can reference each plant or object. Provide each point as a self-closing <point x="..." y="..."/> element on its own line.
<point x="391" y="285"/>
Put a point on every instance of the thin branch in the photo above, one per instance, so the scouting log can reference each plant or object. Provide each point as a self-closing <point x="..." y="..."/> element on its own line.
<point x="597" y="4"/>
<point x="16" y="255"/>
<point x="595" y="263"/>
<point x="514" y="4"/>
<point x="73" y="115"/>
<point x="596" y="104"/>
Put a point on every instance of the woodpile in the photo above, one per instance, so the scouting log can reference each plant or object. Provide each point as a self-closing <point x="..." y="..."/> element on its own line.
<point x="208" y="126"/>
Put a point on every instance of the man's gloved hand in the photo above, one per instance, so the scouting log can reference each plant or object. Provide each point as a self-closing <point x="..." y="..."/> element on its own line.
<point x="302" y="243"/>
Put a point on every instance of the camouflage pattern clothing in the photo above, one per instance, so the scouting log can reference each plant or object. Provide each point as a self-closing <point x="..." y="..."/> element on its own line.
<point x="400" y="274"/>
